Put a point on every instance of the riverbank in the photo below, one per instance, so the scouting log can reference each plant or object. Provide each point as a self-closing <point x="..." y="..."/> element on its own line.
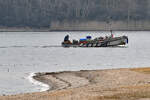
<point x="23" y="29"/>
<point x="112" y="84"/>
<point x="67" y="28"/>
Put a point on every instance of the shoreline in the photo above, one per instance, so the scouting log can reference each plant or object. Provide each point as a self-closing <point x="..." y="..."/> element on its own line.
<point x="105" y="84"/>
<point x="41" y="78"/>
<point x="64" y="78"/>
<point x="26" y="29"/>
<point x="31" y="79"/>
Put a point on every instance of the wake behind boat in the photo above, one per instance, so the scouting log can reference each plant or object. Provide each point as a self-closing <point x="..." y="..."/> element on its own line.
<point x="96" y="42"/>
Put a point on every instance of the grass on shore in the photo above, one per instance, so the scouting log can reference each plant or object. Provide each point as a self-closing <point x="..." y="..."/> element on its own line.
<point x="145" y="70"/>
<point x="127" y="96"/>
<point x="132" y="92"/>
<point x="129" y="93"/>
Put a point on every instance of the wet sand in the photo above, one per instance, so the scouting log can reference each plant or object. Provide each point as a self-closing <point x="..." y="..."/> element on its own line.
<point x="112" y="84"/>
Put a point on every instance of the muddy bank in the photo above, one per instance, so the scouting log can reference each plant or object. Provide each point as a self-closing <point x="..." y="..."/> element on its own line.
<point x="105" y="78"/>
<point x="113" y="84"/>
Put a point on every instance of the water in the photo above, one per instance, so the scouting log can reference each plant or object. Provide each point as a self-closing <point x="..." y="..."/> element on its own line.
<point x="23" y="53"/>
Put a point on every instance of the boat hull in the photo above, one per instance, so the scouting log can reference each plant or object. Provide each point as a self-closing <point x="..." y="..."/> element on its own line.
<point x="123" y="40"/>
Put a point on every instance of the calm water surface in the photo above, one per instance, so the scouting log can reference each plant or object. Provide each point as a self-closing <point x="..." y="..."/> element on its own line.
<point x="22" y="53"/>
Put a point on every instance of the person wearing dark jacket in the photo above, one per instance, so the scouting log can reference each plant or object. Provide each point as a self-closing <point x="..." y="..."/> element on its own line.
<point x="66" y="38"/>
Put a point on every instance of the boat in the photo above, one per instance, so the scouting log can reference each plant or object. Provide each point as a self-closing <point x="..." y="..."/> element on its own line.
<point x="106" y="41"/>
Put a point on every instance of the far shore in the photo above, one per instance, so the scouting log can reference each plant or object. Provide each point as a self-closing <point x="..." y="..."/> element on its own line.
<point x="108" y="84"/>
<point x="28" y="29"/>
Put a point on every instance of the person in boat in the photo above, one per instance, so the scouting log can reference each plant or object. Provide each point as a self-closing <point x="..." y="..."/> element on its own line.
<point x="66" y="39"/>
<point x="112" y="35"/>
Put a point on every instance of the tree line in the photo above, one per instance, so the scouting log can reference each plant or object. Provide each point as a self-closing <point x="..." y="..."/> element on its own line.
<point x="40" y="13"/>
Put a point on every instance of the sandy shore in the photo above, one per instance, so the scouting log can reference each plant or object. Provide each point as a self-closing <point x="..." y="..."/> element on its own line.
<point x="113" y="84"/>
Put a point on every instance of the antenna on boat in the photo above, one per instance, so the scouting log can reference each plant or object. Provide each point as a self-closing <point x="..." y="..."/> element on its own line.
<point x="111" y="31"/>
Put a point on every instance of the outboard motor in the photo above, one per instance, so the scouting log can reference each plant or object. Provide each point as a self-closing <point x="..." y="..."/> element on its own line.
<point x="126" y="37"/>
